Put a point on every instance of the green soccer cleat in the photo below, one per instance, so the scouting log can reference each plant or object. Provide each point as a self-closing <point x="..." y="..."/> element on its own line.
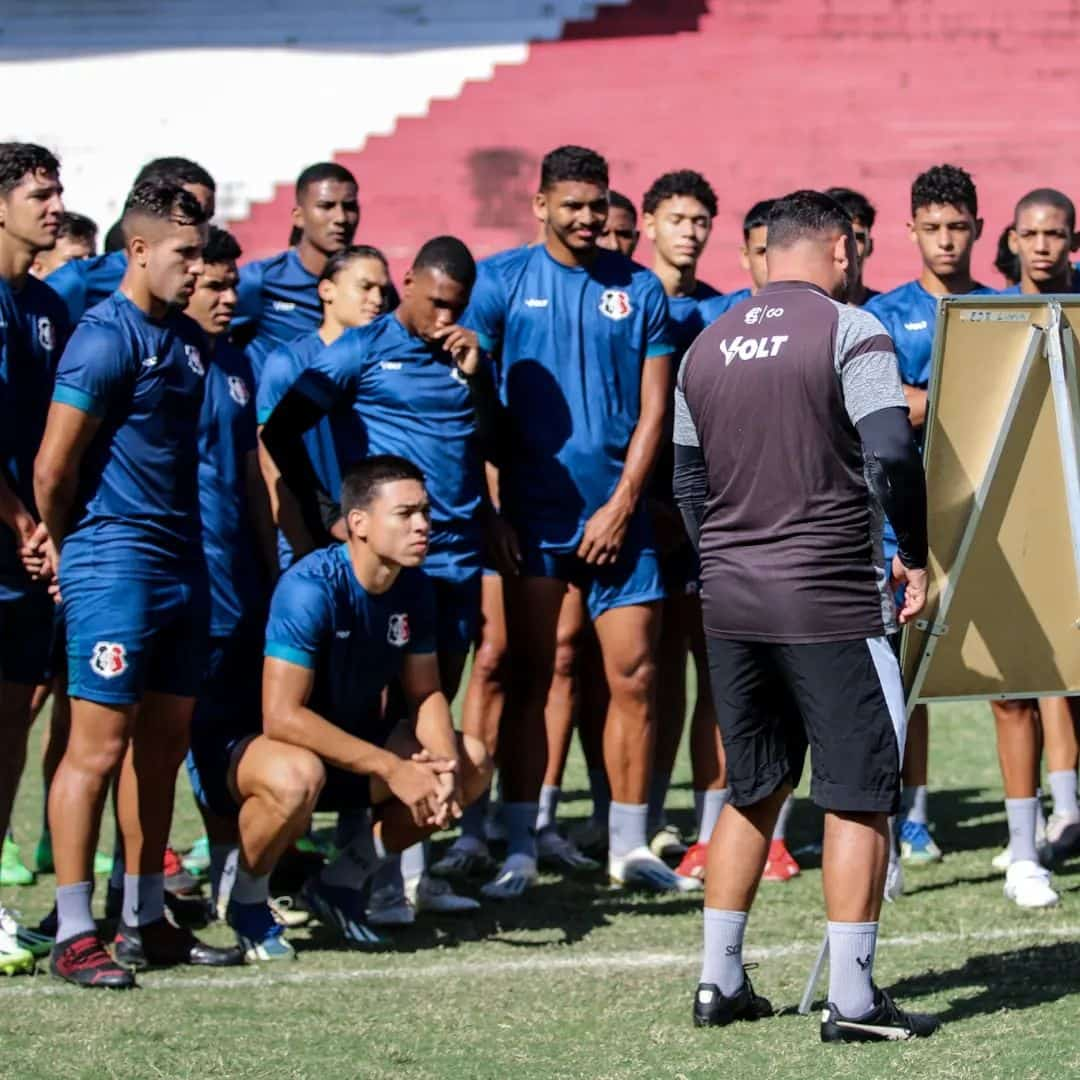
<point x="43" y="858"/>
<point x="12" y="870"/>
<point x="197" y="861"/>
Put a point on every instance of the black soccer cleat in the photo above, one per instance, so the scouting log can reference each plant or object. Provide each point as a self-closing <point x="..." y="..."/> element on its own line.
<point x="160" y="944"/>
<point x="712" y="1009"/>
<point x="82" y="960"/>
<point x="887" y="1022"/>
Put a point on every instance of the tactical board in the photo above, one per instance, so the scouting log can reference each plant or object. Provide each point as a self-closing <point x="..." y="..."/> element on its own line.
<point x="1002" y="618"/>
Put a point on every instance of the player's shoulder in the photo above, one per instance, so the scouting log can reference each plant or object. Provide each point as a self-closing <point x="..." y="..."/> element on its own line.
<point x="503" y="270"/>
<point x="859" y="328"/>
<point x="896" y="301"/>
<point x="319" y="573"/>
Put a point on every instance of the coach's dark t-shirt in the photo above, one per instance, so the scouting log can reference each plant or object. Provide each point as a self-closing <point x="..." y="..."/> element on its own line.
<point x="791" y="536"/>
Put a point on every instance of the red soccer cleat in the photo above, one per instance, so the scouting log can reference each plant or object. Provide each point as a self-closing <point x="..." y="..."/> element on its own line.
<point x="780" y="865"/>
<point x="693" y="862"/>
<point x="82" y="960"/>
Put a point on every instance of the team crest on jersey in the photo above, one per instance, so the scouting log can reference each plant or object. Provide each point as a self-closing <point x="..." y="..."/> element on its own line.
<point x="194" y="360"/>
<point x="108" y="659"/>
<point x="46" y="334"/>
<point x="615" y="304"/>
<point x="397" y="632"/>
<point x="238" y="390"/>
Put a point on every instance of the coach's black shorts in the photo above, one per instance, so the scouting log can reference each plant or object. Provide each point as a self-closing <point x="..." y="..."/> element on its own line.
<point x="844" y="698"/>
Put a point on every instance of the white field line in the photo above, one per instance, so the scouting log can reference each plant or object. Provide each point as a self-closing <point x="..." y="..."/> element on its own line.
<point x="268" y="975"/>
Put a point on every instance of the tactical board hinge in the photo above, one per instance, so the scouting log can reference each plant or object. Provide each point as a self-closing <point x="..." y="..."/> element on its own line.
<point x="933" y="629"/>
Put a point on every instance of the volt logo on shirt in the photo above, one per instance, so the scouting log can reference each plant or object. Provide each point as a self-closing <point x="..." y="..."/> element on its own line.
<point x="751" y="348"/>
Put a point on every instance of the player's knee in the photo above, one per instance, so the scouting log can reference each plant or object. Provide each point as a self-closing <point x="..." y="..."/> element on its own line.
<point x="295" y="780"/>
<point x="634" y="680"/>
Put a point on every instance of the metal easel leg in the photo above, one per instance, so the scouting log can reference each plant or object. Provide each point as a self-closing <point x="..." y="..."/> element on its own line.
<point x="815" y="976"/>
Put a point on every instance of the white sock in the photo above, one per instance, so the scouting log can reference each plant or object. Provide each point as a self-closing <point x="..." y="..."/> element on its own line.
<point x="626" y="827"/>
<point x="355" y="864"/>
<point x="223" y="863"/>
<point x="1063" y="788"/>
<point x="722" y="962"/>
<point x="916" y="809"/>
<point x="780" y="831"/>
<point x="851" y="967"/>
<point x="712" y="802"/>
<point x="548" y="807"/>
<point x="144" y="899"/>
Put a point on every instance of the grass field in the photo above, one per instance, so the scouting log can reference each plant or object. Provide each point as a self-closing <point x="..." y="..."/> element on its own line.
<point x="578" y="981"/>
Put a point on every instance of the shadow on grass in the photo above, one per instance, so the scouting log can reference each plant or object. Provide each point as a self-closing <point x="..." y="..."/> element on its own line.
<point x="1018" y="979"/>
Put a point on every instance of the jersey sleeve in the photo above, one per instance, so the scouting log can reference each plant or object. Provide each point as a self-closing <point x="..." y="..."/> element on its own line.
<point x="278" y="375"/>
<point x="684" y="433"/>
<point x="69" y="283"/>
<point x="96" y="364"/>
<point x="866" y="363"/>
<point x="659" y="339"/>
<point x="248" y="295"/>
<point x="422" y="622"/>
<point x="301" y="617"/>
<point x="335" y="373"/>
<point x="486" y="313"/>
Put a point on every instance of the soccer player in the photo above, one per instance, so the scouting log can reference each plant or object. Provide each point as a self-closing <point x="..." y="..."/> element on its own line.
<point x="944" y="225"/>
<point x="353" y="290"/>
<point x="584" y="353"/>
<point x="279" y="296"/>
<point x="795" y="604"/>
<point x="344" y="623"/>
<point x="239" y="545"/>
<point x="116" y="480"/>
<point x="407" y="384"/>
<point x="863" y="215"/>
<point x="1043" y="238"/>
<point x="33" y="331"/>
<point x="76" y="238"/>
<point x="1005" y="261"/>
<point x="620" y="231"/>
<point x="84" y="283"/>
<point x="678" y="212"/>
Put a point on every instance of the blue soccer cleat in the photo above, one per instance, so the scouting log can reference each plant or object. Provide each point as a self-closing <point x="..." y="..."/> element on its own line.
<point x="258" y="933"/>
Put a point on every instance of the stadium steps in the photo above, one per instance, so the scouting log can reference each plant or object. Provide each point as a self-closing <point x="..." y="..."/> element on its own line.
<point x="763" y="96"/>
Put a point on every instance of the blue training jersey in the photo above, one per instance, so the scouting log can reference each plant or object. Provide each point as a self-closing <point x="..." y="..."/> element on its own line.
<point x="34" y="329"/>
<point x="390" y="392"/>
<point x="281" y="298"/>
<point x="571" y="344"/>
<point x="281" y="370"/>
<point x="691" y="314"/>
<point x="137" y="504"/>
<point x="238" y="586"/>
<point x="723" y="303"/>
<point x="322" y="618"/>
<point x="84" y="283"/>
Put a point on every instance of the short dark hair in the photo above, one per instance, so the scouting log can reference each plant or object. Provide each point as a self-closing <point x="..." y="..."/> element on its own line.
<point x="162" y="200"/>
<point x="451" y="256"/>
<point x="858" y="206"/>
<point x="944" y="185"/>
<point x="320" y="171"/>
<point x="618" y="201"/>
<point x="1006" y="261"/>
<point x="683" y="182"/>
<point x="803" y="215"/>
<point x="114" y="238"/>
<point x="21" y="159"/>
<point x="175" y="170"/>
<point x="77" y="226"/>
<point x="221" y="247"/>
<point x="1045" y="196"/>
<point x="362" y="481"/>
<point x="573" y="163"/>
<point x="756" y="216"/>
<point x="337" y="262"/>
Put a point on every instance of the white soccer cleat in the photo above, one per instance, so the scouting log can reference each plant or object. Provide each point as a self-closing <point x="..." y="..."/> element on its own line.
<point x="13" y="957"/>
<point x="641" y="869"/>
<point x="1027" y="884"/>
<point x="515" y="875"/>
<point x="556" y="851"/>
<point x="465" y="857"/>
<point x="287" y="914"/>
<point x="432" y="894"/>
<point x="668" y="843"/>
<point x="389" y="906"/>
<point x="1003" y="859"/>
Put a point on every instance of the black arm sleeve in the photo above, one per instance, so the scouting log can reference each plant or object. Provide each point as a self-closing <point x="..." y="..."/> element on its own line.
<point x="282" y="435"/>
<point x="895" y="470"/>
<point x="690" y="484"/>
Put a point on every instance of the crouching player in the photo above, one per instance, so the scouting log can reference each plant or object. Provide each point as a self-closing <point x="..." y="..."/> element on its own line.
<point x="344" y="622"/>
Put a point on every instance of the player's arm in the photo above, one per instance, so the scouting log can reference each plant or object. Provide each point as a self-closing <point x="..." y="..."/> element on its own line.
<point x="690" y="482"/>
<point x="606" y="529"/>
<point x="917" y="399"/>
<point x="287" y="687"/>
<point x="30" y="534"/>
<point x="260" y="513"/>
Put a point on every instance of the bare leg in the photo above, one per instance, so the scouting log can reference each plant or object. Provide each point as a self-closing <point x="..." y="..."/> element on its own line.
<point x="562" y="700"/>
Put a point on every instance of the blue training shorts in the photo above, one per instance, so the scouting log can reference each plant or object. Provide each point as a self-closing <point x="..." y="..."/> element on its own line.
<point x="457" y="610"/>
<point x="129" y="636"/>
<point x="26" y="636"/>
<point x="634" y="577"/>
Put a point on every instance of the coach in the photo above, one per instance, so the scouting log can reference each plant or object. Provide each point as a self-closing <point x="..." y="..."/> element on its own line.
<point x="792" y="435"/>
